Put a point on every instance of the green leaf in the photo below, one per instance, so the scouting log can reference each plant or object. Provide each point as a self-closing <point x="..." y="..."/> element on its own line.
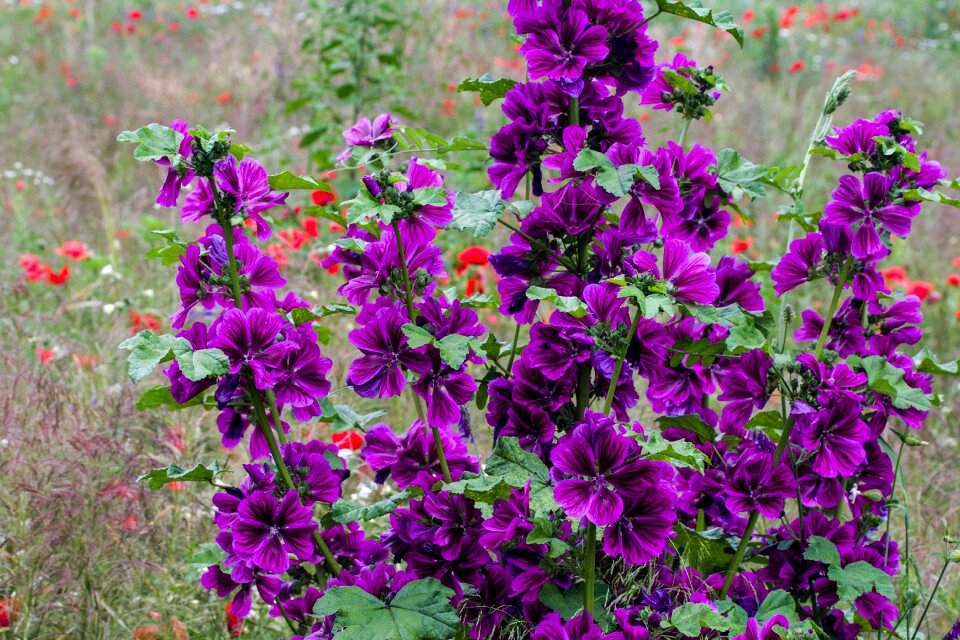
<point x="154" y="142"/>
<point x="302" y="315"/>
<point x="488" y="87"/>
<point x="858" y="578"/>
<point x="569" y="602"/>
<point x="417" y="336"/>
<point x="589" y="159"/>
<point x="480" y="488"/>
<point x="617" y="181"/>
<point x="203" y="363"/>
<point x="147" y="350"/>
<point x="769" y="422"/>
<point x="679" y="453"/>
<point x="926" y="362"/>
<point x="430" y="196"/>
<point x="477" y="213"/>
<point x="421" y="610"/>
<point x="931" y="196"/>
<point x="690" y="422"/>
<point x="455" y="348"/>
<point x="708" y="551"/>
<point x="694" y="10"/>
<point x="567" y="304"/>
<point x="344" y="511"/>
<point x="546" y="530"/>
<point x="207" y="554"/>
<point x="157" y="478"/>
<point x="679" y="81"/>
<point x="287" y="181"/>
<point x="343" y="418"/>
<point x="690" y="617"/>
<point x="777" y="603"/>
<point x="820" y="549"/>
<point x="161" y="396"/>
<point x="887" y="379"/>
<point x="739" y="177"/>
<point x="516" y="467"/>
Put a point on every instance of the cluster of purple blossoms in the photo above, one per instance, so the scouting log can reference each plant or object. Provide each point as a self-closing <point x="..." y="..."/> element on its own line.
<point x="764" y="478"/>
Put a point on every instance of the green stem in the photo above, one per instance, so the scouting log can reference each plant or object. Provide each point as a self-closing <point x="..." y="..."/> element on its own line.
<point x="834" y="303"/>
<point x="933" y="593"/>
<point x="590" y="569"/>
<point x="741" y="551"/>
<point x="513" y="349"/>
<point x="682" y="140"/>
<point x="412" y="313"/>
<point x="575" y="112"/>
<point x="263" y="423"/>
<point x="618" y="367"/>
<point x="272" y="405"/>
<point x="893" y="488"/>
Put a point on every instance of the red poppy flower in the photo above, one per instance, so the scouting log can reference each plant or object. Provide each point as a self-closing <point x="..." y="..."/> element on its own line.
<point x="20" y="185"/>
<point x="920" y="288"/>
<point x="475" y="255"/>
<point x="310" y="226"/>
<point x="278" y="254"/>
<point x="75" y="250"/>
<point x="85" y="360"/>
<point x="193" y="13"/>
<point x="136" y="14"/>
<point x="45" y="356"/>
<point x="739" y="246"/>
<point x="224" y="97"/>
<point x="234" y="622"/>
<point x="58" y="277"/>
<point x="797" y="65"/>
<point x="322" y="198"/>
<point x="953" y="279"/>
<point x="349" y="440"/>
<point x="474" y="285"/>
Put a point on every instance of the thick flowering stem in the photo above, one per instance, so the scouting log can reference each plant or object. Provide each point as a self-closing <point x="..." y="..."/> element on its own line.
<point x="575" y="112"/>
<point x="682" y="140"/>
<point x="590" y="569"/>
<point x="262" y="421"/>
<point x="275" y="412"/>
<point x="411" y="312"/>
<point x="618" y="367"/>
<point x="926" y="608"/>
<point x="513" y="349"/>
<point x="834" y="303"/>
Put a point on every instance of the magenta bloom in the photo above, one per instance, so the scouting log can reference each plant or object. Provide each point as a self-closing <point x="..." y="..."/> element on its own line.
<point x="367" y="134"/>
<point x="580" y="628"/>
<point x="267" y="530"/>
<point x="757" y="486"/>
<point x="377" y="373"/>
<point x="797" y="265"/>
<point x="690" y="274"/>
<point x="642" y="531"/>
<point x="445" y="390"/>
<point x="857" y="137"/>
<point x="304" y="377"/>
<point x="412" y="458"/>
<point x="745" y="387"/>
<point x="836" y="436"/>
<point x="248" y="338"/>
<point x="249" y="187"/>
<point x="562" y="45"/>
<point x="868" y="203"/>
<point x="598" y="476"/>
<point x="175" y="180"/>
<point x="309" y="465"/>
<point x="769" y="631"/>
<point x="421" y="226"/>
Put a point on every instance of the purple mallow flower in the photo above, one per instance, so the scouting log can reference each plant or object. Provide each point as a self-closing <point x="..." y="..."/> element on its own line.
<point x="378" y="372"/>
<point x="268" y="530"/>
<point x="869" y="204"/>
<point x="598" y="471"/>
<point x="249" y="339"/>
<point x="367" y="134"/>
<point x="246" y="184"/>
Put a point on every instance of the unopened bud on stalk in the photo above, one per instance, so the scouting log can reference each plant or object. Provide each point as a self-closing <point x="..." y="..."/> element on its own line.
<point x="873" y="495"/>
<point x="913" y="441"/>
<point x="954" y="556"/>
